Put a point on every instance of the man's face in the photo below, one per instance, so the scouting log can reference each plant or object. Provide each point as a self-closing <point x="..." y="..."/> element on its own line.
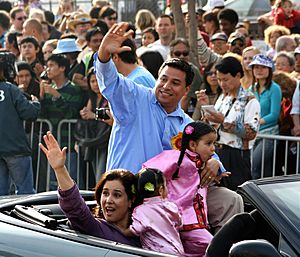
<point x="28" y="51"/>
<point x="23" y="78"/>
<point x="95" y="42"/>
<point x="219" y="46"/>
<point x="237" y="46"/>
<point x="228" y="83"/>
<point x="170" y="88"/>
<point x="54" y="70"/>
<point x="180" y="51"/>
<point x="82" y="28"/>
<point x="297" y="63"/>
<point x="226" y="27"/>
<point x="164" y="27"/>
<point x="19" y="20"/>
<point x="290" y="45"/>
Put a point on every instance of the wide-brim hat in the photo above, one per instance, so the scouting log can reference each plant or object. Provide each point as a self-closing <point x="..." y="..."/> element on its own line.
<point x="80" y="19"/>
<point x="66" y="45"/>
<point x="262" y="60"/>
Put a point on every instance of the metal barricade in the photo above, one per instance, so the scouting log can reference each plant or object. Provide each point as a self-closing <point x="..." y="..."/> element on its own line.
<point x="287" y="143"/>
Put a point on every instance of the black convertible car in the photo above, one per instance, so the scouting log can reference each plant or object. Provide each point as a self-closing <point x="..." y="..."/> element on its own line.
<point x="34" y="226"/>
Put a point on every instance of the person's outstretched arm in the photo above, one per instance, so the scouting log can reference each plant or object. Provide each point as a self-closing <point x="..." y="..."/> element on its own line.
<point x="56" y="158"/>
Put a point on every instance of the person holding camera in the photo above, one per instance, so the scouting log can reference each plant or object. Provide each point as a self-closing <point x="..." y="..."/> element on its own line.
<point x="15" y="152"/>
<point x="91" y="131"/>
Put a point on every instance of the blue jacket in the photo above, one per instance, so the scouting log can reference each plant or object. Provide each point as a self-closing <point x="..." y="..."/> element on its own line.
<point x="14" y="108"/>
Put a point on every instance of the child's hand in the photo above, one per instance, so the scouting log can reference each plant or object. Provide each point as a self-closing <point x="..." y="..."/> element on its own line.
<point x="54" y="154"/>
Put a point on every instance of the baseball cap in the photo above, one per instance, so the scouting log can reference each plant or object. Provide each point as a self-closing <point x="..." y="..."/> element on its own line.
<point x="219" y="36"/>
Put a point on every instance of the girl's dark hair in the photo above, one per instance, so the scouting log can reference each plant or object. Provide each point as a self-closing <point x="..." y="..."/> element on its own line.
<point x="192" y="131"/>
<point x="152" y="31"/>
<point x="205" y="82"/>
<point x="127" y="179"/>
<point x="268" y="80"/>
<point x="149" y="181"/>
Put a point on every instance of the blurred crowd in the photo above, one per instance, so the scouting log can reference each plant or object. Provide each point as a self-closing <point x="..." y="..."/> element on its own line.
<point x="54" y="62"/>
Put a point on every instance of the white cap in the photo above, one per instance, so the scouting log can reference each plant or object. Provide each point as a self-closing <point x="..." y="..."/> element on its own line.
<point x="211" y="4"/>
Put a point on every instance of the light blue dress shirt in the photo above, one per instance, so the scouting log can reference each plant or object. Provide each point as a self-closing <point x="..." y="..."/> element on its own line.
<point x="142" y="76"/>
<point x="142" y="128"/>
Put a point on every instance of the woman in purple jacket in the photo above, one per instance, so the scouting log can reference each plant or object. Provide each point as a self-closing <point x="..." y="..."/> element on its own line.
<point x="114" y="194"/>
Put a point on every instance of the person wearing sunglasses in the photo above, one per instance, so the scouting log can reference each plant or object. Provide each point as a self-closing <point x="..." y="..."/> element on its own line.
<point x="237" y="42"/>
<point x="109" y="16"/>
<point x="180" y="48"/>
<point x="17" y="19"/>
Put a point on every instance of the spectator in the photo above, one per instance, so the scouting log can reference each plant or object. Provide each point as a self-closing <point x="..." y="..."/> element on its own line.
<point x="4" y="27"/>
<point x="17" y="19"/>
<point x="269" y="96"/>
<point x="272" y="33"/>
<point x="237" y="115"/>
<point x="286" y="16"/>
<point x="180" y="48"/>
<point x="152" y="61"/>
<point x="143" y="20"/>
<point x="61" y="99"/>
<point x="38" y="14"/>
<point x="284" y="61"/>
<point x="237" y="43"/>
<point x="81" y="23"/>
<point x="109" y="15"/>
<point x="33" y="28"/>
<point x="247" y="57"/>
<point x="242" y="29"/>
<point x="285" y="43"/>
<point x="149" y="36"/>
<point x="228" y="20"/>
<point x="211" y="23"/>
<point x="11" y="43"/>
<point x="218" y="43"/>
<point x="48" y="48"/>
<point x="15" y="159"/>
<point x="296" y="73"/>
<point x="210" y="87"/>
<point x="126" y="64"/>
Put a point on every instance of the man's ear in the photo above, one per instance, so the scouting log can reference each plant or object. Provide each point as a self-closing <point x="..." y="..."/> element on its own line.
<point x="187" y="89"/>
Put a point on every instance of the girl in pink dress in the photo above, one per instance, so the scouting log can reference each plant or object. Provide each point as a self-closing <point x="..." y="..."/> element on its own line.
<point x="182" y="171"/>
<point x="157" y="220"/>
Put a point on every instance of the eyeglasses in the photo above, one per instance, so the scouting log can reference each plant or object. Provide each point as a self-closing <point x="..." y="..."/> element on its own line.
<point x="237" y="44"/>
<point x="210" y="73"/>
<point x="112" y="18"/>
<point x="184" y="53"/>
<point x="21" y="18"/>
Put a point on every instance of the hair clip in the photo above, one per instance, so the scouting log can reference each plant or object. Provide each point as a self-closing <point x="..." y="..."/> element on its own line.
<point x="133" y="189"/>
<point x="149" y="187"/>
<point x="189" y="130"/>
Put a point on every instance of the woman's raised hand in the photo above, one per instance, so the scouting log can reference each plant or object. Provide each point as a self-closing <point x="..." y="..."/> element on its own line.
<point x="56" y="158"/>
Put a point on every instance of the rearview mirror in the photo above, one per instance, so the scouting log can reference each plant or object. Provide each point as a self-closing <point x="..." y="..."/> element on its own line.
<point x="253" y="248"/>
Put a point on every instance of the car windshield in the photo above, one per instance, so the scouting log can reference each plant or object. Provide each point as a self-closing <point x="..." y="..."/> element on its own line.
<point x="286" y="196"/>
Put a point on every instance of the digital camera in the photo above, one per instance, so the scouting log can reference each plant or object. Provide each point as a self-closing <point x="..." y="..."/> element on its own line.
<point x="101" y="114"/>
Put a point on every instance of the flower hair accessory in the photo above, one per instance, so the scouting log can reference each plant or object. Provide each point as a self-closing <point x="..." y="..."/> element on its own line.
<point x="133" y="189"/>
<point x="149" y="187"/>
<point x="189" y="130"/>
<point x="176" y="141"/>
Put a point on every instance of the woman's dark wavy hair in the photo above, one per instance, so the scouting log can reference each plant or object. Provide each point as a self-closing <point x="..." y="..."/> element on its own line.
<point x="127" y="179"/>
<point x="200" y="129"/>
<point x="149" y="175"/>
<point x="205" y="82"/>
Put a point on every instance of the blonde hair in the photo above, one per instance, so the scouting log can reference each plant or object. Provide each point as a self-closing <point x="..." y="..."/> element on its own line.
<point x="231" y="54"/>
<point x="144" y="19"/>
<point x="36" y="13"/>
<point x="275" y="28"/>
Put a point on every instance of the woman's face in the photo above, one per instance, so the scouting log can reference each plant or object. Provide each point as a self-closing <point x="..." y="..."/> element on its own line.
<point x="47" y="51"/>
<point x="247" y="59"/>
<point x="260" y="72"/>
<point x="273" y="37"/>
<point x="110" y="20"/>
<point x="115" y="204"/>
<point x="282" y="64"/>
<point x="94" y="84"/>
<point x="212" y="77"/>
<point x="147" y="38"/>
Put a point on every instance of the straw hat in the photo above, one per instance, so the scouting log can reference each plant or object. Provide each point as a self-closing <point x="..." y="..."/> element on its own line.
<point x="80" y="19"/>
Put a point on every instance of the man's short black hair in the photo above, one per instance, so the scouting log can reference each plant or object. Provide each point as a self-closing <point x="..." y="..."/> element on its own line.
<point x="32" y="40"/>
<point x="230" y="65"/>
<point x="129" y="56"/>
<point x="92" y="32"/>
<point x="180" y="65"/>
<point x="62" y="61"/>
<point x="229" y="15"/>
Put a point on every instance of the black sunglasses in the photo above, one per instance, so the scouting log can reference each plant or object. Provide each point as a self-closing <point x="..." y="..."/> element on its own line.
<point x="184" y="53"/>
<point x="112" y="18"/>
<point x="21" y="18"/>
